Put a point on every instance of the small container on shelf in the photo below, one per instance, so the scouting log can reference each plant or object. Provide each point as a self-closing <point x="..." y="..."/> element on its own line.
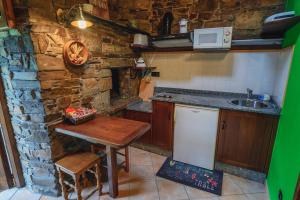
<point x="264" y="97"/>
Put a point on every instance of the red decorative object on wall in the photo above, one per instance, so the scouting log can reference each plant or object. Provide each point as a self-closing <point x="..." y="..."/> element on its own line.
<point x="75" y="53"/>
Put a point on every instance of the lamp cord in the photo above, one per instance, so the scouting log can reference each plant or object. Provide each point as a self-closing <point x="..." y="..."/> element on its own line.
<point x="69" y="11"/>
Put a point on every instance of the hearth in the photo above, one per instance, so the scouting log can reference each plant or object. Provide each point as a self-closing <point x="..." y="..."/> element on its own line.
<point x="120" y="84"/>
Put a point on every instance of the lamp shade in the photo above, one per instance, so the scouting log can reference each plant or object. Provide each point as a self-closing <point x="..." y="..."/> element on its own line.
<point x="80" y="21"/>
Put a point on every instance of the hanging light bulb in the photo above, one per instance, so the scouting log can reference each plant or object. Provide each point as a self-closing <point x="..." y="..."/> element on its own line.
<point x="81" y="23"/>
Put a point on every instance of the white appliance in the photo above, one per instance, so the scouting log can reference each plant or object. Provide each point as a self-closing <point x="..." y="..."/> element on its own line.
<point x="213" y="38"/>
<point x="195" y="135"/>
<point x="280" y="16"/>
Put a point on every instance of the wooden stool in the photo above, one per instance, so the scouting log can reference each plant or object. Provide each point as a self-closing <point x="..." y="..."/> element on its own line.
<point x="125" y="164"/>
<point x="76" y="166"/>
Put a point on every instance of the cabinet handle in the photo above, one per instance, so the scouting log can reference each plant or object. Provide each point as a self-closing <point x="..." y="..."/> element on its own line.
<point x="223" y="125"/>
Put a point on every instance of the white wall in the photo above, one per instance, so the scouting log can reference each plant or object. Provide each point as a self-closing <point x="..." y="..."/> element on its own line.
<point x="282" y="74"/>
<point x="264" y="72"/>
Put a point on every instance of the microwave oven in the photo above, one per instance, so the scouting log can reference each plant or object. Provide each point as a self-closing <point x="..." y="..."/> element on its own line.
<point x="212" y="38"/>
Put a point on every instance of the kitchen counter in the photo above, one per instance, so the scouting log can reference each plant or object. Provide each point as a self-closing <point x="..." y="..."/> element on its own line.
<point x="141" y="106"/>
<point x="200" y="98"/>
<point x="208" y="99"/>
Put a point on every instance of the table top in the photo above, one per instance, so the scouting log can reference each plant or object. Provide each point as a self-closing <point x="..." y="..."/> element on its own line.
<point x="113" y="131"/>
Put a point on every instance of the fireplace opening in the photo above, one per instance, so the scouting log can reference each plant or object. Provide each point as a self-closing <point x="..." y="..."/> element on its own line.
<point x="121" y="94"/>
<point x="115" y="92"/>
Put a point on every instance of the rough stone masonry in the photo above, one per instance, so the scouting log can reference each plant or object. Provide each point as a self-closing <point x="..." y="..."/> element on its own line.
<point x="39" y="85"/>
<point x="23" y="92"/>
<point x="246" y="16"/>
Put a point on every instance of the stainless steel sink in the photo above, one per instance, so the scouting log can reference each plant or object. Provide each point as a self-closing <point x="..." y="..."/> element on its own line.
<point x="251" y="103"/>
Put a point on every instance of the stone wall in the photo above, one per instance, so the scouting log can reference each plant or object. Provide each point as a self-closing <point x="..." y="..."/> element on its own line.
<point x="23" y="91"/>
<point x="39" y="85"/>
<point x="88" y="85"/>
<point x="246" y="16"/>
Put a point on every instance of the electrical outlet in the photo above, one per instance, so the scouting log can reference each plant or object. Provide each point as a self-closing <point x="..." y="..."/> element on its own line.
<point x="155" y="74"/>
<point x="280" y="195"/>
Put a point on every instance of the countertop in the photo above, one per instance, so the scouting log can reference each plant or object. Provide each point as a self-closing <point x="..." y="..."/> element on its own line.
<point x="141" y="106"/>
<point x="201" y="98"/>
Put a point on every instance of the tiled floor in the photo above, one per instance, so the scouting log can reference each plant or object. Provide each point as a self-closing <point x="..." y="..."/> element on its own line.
<point x="142" y="184"/>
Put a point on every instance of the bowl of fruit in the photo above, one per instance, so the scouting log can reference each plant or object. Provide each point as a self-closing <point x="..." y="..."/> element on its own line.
<point x="79" y="115"/>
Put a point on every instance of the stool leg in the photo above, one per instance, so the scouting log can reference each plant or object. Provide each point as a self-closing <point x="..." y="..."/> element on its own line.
<point x="127" y="159"/>
<point x="85" y="180"/>
<point x="63" y="186"/>
<point x="98" y="178"/>
<point x="93" y="148"/>
<point x="78" y="187"/>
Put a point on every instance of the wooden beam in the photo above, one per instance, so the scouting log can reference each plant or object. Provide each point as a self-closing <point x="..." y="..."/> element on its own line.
<point x="9" y="13"/>
<point x="6" y="180"/>
<point x="9" y="139"/>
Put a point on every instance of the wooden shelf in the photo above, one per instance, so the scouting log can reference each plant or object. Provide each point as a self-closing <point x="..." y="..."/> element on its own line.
<point x="143" y="68"/>
<point x="116" y="25"/>
<point x="257" y="44"/>
<point x="140" y="71"/>
<point x="118" y="67"/>
<point x="244" y="45"/>
<point x="279" y="27"/>
<point x="251" y="44"/>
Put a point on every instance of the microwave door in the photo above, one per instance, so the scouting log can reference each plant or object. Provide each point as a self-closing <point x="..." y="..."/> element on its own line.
<point x="209" y="38"/>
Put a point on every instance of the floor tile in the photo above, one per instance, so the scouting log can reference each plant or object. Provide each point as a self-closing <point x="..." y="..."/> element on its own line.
<point x="140" y="157"/>
<point x="7" y="194"/>
<point x="142" y="172"/>
<point x="248" y="186"/>
<point x="142" y="184"/>
<point x="143" y="190"/>
<point x="124" y="177"/>
<point x="169" y="190"/>
<point x="90" y="192"/>
<point x="134" y="150"/>
<point x="24" y="194"/>
<point x="51" y="198"/>
<point x="194" y="193"/>
<point x="229" y="187"/>
<point x="258" y="196"/>
<point x="124" y="192"/>
<point x="234" y="197"/>
<point x="157" y="161"/>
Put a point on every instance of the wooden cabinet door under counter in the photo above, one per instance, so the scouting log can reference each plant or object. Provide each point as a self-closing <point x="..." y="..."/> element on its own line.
<point x="246" y="139"/>
<point x="162" y="124"/>
<point x="143" y="117"/>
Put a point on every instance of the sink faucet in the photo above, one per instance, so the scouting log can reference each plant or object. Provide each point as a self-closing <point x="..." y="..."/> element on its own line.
<point x="249" y="93"/>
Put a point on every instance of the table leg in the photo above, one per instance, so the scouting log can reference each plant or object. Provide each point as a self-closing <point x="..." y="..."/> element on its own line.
<point x="127" y="159"/>
<point x="112" y="171"/>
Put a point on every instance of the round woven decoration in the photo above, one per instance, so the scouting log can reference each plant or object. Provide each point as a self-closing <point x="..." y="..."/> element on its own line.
<point x="75" y="53"/>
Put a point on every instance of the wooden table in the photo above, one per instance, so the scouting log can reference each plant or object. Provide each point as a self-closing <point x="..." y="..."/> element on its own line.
<point x="114" y="133"/>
